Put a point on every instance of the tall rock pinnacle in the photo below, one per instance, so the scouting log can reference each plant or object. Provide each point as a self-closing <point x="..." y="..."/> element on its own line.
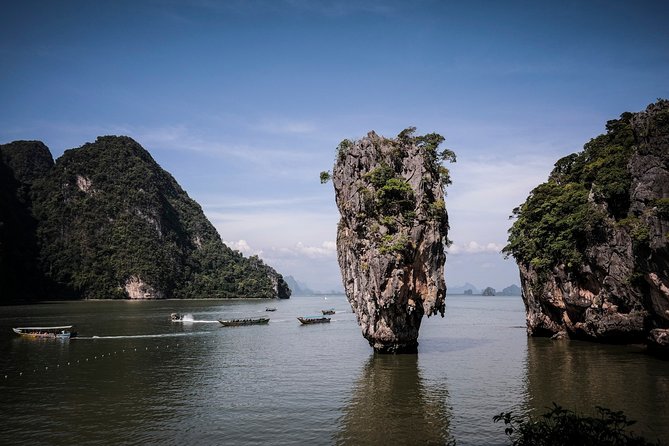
<point x="392" y="233"/>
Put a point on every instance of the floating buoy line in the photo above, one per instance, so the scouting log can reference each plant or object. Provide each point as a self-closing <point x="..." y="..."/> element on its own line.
<point x="95" y="357"/>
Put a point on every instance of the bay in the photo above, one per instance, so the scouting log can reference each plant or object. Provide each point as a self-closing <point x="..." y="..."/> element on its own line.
<point x="134" y="377"/>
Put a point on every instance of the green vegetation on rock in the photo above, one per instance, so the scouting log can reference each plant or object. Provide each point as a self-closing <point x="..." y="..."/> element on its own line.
<point x="112" y="224"/>
<point x="566" y="215"/>
<point x="591" y="243"/>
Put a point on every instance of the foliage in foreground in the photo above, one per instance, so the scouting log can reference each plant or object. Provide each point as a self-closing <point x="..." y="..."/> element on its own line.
<point x="563" y="427"/>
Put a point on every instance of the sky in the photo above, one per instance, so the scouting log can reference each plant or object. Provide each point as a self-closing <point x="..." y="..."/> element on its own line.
<point x="244" y="102"/>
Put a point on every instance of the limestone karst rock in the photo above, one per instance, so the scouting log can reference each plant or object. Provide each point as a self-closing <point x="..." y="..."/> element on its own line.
<point x="106" y="221"/>
<point x="592" y="243"/>
<point x="392" y="233"/>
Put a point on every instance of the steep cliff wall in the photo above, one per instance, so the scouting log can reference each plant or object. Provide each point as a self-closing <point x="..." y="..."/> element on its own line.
<point x="111" y="223"/>
<point x="392" y="233"/>
<point x="21" y="164"/>
<point x="592" y="242"/>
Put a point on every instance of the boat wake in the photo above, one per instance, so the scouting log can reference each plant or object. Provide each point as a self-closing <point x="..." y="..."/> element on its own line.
<point x="164" y="335"/>
<point x="188" y="319"/>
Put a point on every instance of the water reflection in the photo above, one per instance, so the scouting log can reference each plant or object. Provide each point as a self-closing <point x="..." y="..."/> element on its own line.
<point x="581" y="375"/>
<point x="392" y="405"/>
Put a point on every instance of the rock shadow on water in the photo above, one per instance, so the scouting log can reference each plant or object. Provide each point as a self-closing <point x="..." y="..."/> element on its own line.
<point x="581" y="375"/>
<point x="391" y="404"/>
<point x="449" y="344"/>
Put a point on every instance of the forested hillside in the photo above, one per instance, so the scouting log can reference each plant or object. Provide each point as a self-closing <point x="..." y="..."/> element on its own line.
<point x="111" y="223"/>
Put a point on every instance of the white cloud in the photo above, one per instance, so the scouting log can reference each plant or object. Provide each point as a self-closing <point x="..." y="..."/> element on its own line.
<point x="326" y="249"/>
<point x="243" y="247"/>
<point x="474" y="247"/>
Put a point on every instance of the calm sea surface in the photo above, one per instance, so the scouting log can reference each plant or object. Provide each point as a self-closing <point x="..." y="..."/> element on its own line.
<point x="135" y="377"/>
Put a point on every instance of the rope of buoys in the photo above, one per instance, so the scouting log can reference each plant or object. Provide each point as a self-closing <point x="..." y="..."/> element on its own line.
<point x="9" y="376"/>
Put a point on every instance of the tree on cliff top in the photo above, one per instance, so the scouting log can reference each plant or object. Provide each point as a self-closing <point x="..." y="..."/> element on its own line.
<point x="392" y="232"/>
<point x="564" y="216"/>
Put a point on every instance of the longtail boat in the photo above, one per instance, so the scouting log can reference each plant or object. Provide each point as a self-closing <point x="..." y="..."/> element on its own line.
<point x="328" y="311"/>
<point x="247" y="321"/>
<point x="307" y="320"/>
<point x="62" y="331"/>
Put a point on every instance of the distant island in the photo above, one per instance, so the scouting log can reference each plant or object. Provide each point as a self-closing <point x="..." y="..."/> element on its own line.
<point x="471" y="290"/>
<point x="301" y="289"/>
<point x="105" y="221"/>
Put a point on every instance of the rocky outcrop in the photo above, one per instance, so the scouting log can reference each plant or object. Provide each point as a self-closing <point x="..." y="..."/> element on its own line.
<point x="392" y="234"/>
<point x="136" y="289"/>
<point x="604" y="272"/>
<point x="106" y="221"/>
<point x="21" y="164"/>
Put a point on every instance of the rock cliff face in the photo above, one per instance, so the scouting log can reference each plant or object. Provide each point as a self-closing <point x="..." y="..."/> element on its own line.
<point x="109" y="222"/>
<point x="603" y="272"/>
<point x="21" y="164"/>
<point x="392" y="234"/>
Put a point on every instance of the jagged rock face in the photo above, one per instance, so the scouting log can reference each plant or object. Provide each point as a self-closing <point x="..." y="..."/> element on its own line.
<point x="619" y="292"/>
<point x="137" y="289"/>
<point x="391" y="236"/>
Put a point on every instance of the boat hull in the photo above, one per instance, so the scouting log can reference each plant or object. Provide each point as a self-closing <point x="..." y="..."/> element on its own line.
<point x="62" y="332"/>
<point x="242" y="322"/>
<point x="313" y="320"/>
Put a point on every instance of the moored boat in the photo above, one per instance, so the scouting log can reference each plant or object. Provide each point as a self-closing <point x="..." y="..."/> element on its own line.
<point x="328" y="311"/>
<point x="176" y="317"/>
<point x="62" y="332"/>
<point x="307" y="320"/>
<point x="246" y="321"/>
<point x="270" y="309"/>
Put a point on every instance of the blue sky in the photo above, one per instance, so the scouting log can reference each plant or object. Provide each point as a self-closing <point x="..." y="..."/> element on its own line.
<point x="244" y="102"/>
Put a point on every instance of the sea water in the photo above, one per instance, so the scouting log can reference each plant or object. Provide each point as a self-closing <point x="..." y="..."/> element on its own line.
<point x="135" y="377"/>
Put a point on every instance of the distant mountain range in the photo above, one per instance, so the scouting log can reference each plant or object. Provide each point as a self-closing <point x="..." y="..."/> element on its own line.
<point x="468" y="288"/>
<point x="301" y="289"/>
<point x="462" y="288"/>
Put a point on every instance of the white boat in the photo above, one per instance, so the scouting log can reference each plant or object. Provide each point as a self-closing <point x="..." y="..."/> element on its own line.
<point x="63" y="331"/>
